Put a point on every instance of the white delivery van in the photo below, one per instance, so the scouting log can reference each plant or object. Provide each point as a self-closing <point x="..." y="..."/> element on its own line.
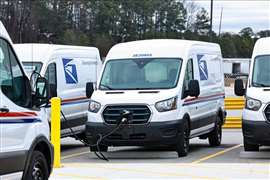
<point x="4" y="33"/>
<point x="256" y="114"/>
<point x="68" y="69"/>
<point x="161" y="92"/>
<point x="25" y="150"/>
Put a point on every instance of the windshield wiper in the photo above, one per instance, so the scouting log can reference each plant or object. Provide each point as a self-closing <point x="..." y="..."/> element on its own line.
<point x="260" y="84"/>
<point x="106" y="86"/>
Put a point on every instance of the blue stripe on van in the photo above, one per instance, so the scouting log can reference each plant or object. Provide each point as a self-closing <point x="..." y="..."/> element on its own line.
<point x="19" y="121"/>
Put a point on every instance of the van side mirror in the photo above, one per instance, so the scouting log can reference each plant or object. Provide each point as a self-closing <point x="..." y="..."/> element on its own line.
<point x="194" y="88"/>
<point x="239" y="89"/>
<point x="42" y="91"/>
<point x="89" y="89"/>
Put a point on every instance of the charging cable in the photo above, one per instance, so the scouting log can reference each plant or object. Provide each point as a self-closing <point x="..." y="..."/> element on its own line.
<point x="100" y="155"/>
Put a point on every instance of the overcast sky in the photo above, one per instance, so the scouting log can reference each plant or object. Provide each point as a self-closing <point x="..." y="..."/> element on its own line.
<point x="238" y="14"/>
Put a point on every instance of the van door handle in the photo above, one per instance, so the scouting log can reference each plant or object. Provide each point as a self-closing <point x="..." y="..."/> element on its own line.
<point x="4" y="110"/>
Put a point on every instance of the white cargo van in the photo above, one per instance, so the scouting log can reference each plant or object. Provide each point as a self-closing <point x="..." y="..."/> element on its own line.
<point x="25" y="150"/>
<point x="68" y="69"/>
<point x="161" y="92"/>
<point x="256" y="114"/>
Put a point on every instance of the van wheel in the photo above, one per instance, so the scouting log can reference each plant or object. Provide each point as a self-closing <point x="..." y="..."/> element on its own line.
<point x="38" y="167"/>
<point x="215" y="136"/>
<point x="182" y="146"/>
<point x="102" y="148"/>
<point x="82" y="138"/>
<point x="250" y="147"/>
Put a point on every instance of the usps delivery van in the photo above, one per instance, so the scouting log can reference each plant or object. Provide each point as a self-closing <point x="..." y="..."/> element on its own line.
<point x="161" y="92"/>
<point x="256" y="114"/>
<point x="67" y="69"/>
<point x="25" y="150"/>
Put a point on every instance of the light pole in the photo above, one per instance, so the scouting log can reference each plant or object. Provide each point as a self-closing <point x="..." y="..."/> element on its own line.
<point x="211" y="20"/>
<point x="220" y="22"/>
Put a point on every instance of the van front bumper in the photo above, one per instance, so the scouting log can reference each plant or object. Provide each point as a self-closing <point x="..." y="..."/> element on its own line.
<point x="256" y="132"/>
<point x="152" y="133"/>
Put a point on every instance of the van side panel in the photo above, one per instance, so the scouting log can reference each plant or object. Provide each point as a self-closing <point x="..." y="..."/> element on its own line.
<point x="74" y="70"/>
<point x="208" y="71"/>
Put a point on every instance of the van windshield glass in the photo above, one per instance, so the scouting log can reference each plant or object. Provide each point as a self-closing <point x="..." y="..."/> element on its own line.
<point x="29" y="67"/>
<point x="129" y="74"/>
<point x="261" y="71"/>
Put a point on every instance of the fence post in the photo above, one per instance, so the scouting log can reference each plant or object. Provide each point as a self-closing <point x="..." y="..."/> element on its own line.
<point x="55" y="130"/>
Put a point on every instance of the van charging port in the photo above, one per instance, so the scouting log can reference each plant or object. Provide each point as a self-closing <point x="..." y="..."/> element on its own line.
<point x="126" y="116"/>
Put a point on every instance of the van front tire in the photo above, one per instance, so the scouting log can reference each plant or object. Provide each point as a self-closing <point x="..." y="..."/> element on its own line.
<point x="82" y="137"/>
<point x="102" y="148"/>
<point x="38" y="167"/>
<point x="215" y="136"/>
<point x="182" y="146"/>
<point x="250" y="147"/>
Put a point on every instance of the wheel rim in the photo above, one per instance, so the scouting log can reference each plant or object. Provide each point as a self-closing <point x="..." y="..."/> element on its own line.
<point x="37" y="172"/>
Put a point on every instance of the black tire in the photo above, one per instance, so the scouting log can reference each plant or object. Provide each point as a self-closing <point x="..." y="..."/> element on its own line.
<point x="38" y="167"/>
<point x="251" y="147"/>
<point x="82" y="138"/>
<point x="182" y="146"/>
<point x="102" y="148"/>
<point x="215" y="136"/>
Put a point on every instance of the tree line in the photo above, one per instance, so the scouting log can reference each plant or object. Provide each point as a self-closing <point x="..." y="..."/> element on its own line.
<point x="103" y="23"/>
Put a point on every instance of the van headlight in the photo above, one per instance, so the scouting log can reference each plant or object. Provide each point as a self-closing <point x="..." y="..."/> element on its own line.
<point x="94" y="106"/>
<point x="253" y="104"/>
<point x="166" y="105"/>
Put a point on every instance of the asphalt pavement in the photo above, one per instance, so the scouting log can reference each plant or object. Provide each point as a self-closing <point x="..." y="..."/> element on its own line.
<point x="227" y="161"/>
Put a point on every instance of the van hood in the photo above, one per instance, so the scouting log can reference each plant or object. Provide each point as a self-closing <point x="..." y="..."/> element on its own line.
<point x="262" y="94"/>
<point x="149" y="97"/>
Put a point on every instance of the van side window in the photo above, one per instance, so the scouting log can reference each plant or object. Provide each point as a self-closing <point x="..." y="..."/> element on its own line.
<point x="50" y="74"/>
<point x="12" y="79"/>
<point x="189" y="75"/>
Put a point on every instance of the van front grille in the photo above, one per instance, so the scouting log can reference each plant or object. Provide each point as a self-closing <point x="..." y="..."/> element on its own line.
<point x="267" y="112"/>
<point x="140" y="114"/>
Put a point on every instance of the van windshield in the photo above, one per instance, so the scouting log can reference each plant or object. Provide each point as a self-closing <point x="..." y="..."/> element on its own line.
<point x="29" y="67"/>
<point x="261" y="71"/>
<point x="131" y="74"/>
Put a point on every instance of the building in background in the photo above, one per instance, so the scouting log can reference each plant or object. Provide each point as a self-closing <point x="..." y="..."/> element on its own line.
<point x="235" y="68"/>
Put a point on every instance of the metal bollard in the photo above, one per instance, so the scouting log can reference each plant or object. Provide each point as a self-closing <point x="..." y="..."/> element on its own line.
<point x="55" y="130"/>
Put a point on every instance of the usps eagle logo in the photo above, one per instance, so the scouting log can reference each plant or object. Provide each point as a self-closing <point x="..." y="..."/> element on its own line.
<point x="202" y="67"/>
<point x="70" y="71"/>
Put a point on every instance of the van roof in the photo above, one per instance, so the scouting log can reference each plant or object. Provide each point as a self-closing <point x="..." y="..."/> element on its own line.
<point x="262" y="47"/>
<point x="43" y="52"/>
<point x="157" y="48"/>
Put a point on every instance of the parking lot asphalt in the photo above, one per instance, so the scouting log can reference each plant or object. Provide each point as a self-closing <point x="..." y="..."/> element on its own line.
<point x="227" y="161"/>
